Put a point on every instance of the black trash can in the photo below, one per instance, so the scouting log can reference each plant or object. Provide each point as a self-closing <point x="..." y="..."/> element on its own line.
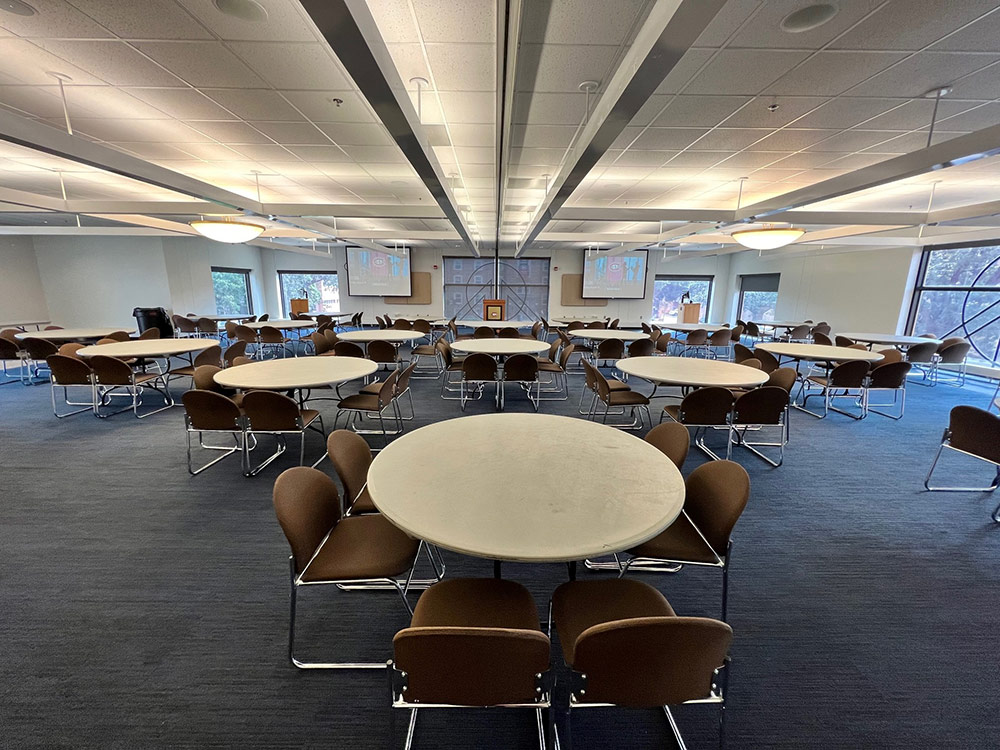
<point x="154" y="317"/>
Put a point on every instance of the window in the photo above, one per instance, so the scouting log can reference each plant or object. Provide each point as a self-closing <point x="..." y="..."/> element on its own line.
<point x="667" y="293"/>
<point x="758" y="296"/>
<point x="232" y="291"/>
<point x="958" y="294"/>
<point x="524" y="283"/>
<point x="321" y="288"/>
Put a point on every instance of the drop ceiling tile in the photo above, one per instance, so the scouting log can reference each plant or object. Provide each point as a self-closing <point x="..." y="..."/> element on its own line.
<point x="975" y="118"/>
<point x="183" y="104"/>
<point x="396" y="25"/>
<point x="981" y="35"/>
<point x="233" y="132"/>
<point x="34" y="100"/>
<point x="549" y="109"/>
<point x="922" y="72"/>
<point x="225" y="157"/>
<point x="262" y="152"/>
<point x="23" y="62"/>
<point x="357" y="134"/>
<point x="791" y="140"/>
<point x="699" y="111"/>
<point x="846" y="112"/>
<point x="684" y="71"/>
<point x="293" y="66"/>
<point x="634" y="157"/>
<point x="137" y="131"/>
<point x="470" y="155"/>
<point x="285" y="22"/>
<point x="376" y="154"/>
<point x="113" y="62"/>
<point x="790" y="108"/>
<point x="255" y="104"/>
<point x="858" y="161"/>
<point x="287" y="133"/>
<point x="744" y="71"/>
<point x="150" y="19"/>
<point x="695" y="159"/>
<point x="202" y="64"/>
<point x="319" y="106"/>
<point x="542" y="136"/>
<point x="569" y="21"/>
<point x="153" y="151"/>
<point x="55" y="20"/>
<point x="854" y="140"/>
<point x="471" y="107"/>
<point x="463" y="67"/>
<point x="750" y="159"/>
<point x="729" y="139"/>
<point x="561" y="68"/>
<point x="805" y="160"/>
<point x="468" y="21"/>
<point x="911" y="25"/>
<point x="832" y="73"/>
<point x="473" y="135"/>
<point x="982" y="85"/>
<point x="666" y="139"/>
<point x="763" y="29"/>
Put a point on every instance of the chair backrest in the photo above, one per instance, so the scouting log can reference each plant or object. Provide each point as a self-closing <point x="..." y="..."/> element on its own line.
<point x="823" y="328"/>
<point x="71" y="348"/>
<point x="403" y="381"/>
<point x="508" y="333"/>
<point x="388" y="320"/>
<point x="975" y="431"/>
<point x="320" y="344"/>
<point x="890" y="355"/>
<point x="8" y="349"/>
<point x="271" y="335"/>
<point x="647" y="662"/>
<point x="889" y="375"/>
<point x="611" y="349"/>
<point x="38" y="349"/>
<point x="849" y="374"/>
<point x="722" y="337"/>
<point x="241" y="360"/>
<point x="663" y="342"/>
<point x="268" y="411"/>
<point x="821" y="338"/>
<point x="764" y="405"/>
<point x="768" y="362"/>
<point x="799" y="332"/>
<point x="204" y="378"/>
<point x="645" y="327"/>
<point x="265" y="316"/>
<point x="479" y="367"/>
<point x="210" y="356"/>
<point x="753" y="363"/>
<point x="185" y="325"/>
<point x="597" y="324"/>
<point x="149" y="333"/>
<point x="783" y="377"/>
<point x="698" y="337"/>
<point x="949" y="341"/>
<point x="233" y="351"/>
<point x="672" y="439"/>
<point x="307" y="505"/>
<point x="590" y="375"/>
<point x="575" y="325"/>
<point x="641" y="348"/>
<point x="536" y="328"/>
<point x="331" y="338"/>
<point x="118" y="336"/>
<point x="565" y="354"/>
<point x="402" y="325"/>
<point x="716" y="495"/>
<point x="444" y="349"/>
<point x="382" y="352"/>
<point x="954" y="354"/>
<point x="11" y="335"/>
<point x="842" y="341"/>
<point x="741" y="353"/>
<point x="351" y="456"/>
<point x="68" y="370"/>
<point x="246" y="334"/>
<point x="521" y="368"/>
<point x="707" y="406"/>
<point x="348" y="349"/>
<point x="421" y="325"/>
<point x="922" y="353"/>
<point x="208" y="410"/>
<point x="107" y="341"/>
<point x="737" y="331"/>
<point x="323" y="319"/>
<point x="110" y="370"/>
<point x="388" y="389"/>
<point x="381" y="321"/>
<point x="753" y="330"/>
<point x="554" y="350"/>
<point x="483" y="332"/>
<point x="207" y="325"/>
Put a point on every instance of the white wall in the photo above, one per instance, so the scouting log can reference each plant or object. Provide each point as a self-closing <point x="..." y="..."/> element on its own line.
<point x="189" y="264"/>
<point x="22" y="297"/>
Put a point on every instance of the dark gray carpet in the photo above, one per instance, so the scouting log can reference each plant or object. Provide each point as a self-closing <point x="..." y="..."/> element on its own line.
<point x="141" y="607"/>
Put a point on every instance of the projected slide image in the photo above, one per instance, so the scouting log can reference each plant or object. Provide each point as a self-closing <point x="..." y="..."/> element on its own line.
<point x="372" y="273"/>
<point x="615" y="276"/>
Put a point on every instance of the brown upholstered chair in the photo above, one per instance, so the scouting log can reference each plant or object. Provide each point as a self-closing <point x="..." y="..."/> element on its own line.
<point x="783" y="377"/>
<point x="351" y="456"/>
<point x="972" y="432"/>
<point x="383" y="353"/>
<point x="381" y="322"/>
<point x="597" y="324"/>
<point x="758" y="409"/>
<point x="818" y="337"/>
<point x="890" y="355"/>
<point x="401" y="325"/>
<point x="241" y="360"/>
<point x="477" y="371"/>
<point x="331" y="339"/>
<point x="319" y="343"/>
<point x="753" y="331"/>
<point x="184" y="327"/>
<point x="148" y="334"/>
<point x="248" y="337"/>
<point x="590" y="387"/>
<point x="846" y="380"/>
<point x="641" y="348"/>
<point x="451" y="367"/>
<point x="327" y="548"/>
<point x="234" y="350"/>
<point x="207" y="328"/>
<point x="627" y="647"/>
<point x="210" y="356"/>
<point x="752" y="363"/>
<point x="11" y="351"/>
<point x="557" y="369"/>
<point x="609" y="350"/>
<point x="348" y="349"/>
<point x="523" y="370"/>
<point x="66" y="372"/>
<point x="207" y="411"/>
<point x="11" y="334"/>
<point x="537" y="328"/>
<point x="702" y="410"/>
<point x="71" y="348"/>
<point x="716" y="494"/>
<point x="271" y="339"/>
<point x="276" y="414"/>
<point x="954" y="354"/>
<point x="663" y="342"/>
<point x="843" y="341"/>
<point x="741" y="353"/>
<point x="736" y="334"/>
<point x="204" y="379"/>
<point x="422" y="351"/>
<point x="35" y="352"/>
<point x="118" y="336"/>
<point x="890" y="377"/>
<point x="695" y="342"/>
<point x="798" y="333"/>
<point x="718" y="344"/>
<point x="357" y="406"/>
<point x="114" y="378"/>
<point x="483" y="332"/>
<point x="614" y="397"/>
<point x="472" y="642"/>
<point x="672" y="439"/>
<point x="508" y="333"/>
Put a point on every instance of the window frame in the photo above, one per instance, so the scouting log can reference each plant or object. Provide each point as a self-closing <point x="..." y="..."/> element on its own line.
<point x="685" y="277"/>
<point x="302" y="272"/>
<point x="445" y="283"/>
<point x="742" y="292"/>
<point x="247" y="285"/>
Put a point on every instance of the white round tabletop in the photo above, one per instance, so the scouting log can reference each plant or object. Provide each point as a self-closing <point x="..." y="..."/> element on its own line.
<point x="375" y="334"/>
<point x="501" y="346"/>
<point x="71" y="334"/>
<point x="782" y="323"/>
<point x="889" y="338"/>
<point x="290" y="373"/>
<point x="526" y="487"/>
<point x="497" y="324"/>
<point x="688" y="327"/>
<point x="148" y="348"/>
<point x="283" y="325"/>
<point x="608" y="334"/>
<point x="820" y="353"/>
<point x="218" y="318"/>
<point x="692" y="371"/>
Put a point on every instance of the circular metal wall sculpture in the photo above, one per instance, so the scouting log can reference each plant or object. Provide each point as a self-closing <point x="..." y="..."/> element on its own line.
<point x="976" y="322"/>
<point x="513" y="286"/>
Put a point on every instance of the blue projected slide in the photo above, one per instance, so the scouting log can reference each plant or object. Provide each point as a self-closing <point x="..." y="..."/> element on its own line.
<point x="374" y="274"/>
<point x="623" y="276"/>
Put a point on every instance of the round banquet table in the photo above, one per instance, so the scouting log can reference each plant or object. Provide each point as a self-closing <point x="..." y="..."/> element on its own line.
<point x="820" y="353"/>
<point x="495" y="324"/>
<point x="295" y="373"/>
<point x="500" y="347"/>
<point x="690" y="371"/>
<point x="148" y="348"/>
<point x="688" y="327"/>
<point x="283" y="325"/>
<point x="71" y="334"/>
<point x="375" y="334"/>
<point x="607" y="334"/>
<point x="218" y="318"/>
<point x="890" y="339"/>
<point x="781" y="323"/>
<point x="526" y="487"/>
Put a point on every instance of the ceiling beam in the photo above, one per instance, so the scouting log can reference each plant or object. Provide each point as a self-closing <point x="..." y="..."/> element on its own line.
<point x="351" y="32"/>
<point x="961" y="150"/>
<point x="311" y="210"/>
<point x="725" y="216"/>
<point x="669" y="31"/>
<point x="509" y="15"/>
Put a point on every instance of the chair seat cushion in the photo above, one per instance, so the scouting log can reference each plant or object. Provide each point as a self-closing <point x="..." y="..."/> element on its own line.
<point x="373" y="387"/>
<point x="364" y="504"/>
<point x="547" y="365"/>
<point x="363" y="547"/>
<point x="425" y="350"/>
<point x="189" y="370"/>
<point x="673" y="411"/>
<point x="308" y="415"/>
<point x="578" y="605"/>
<point x="361" y="402"/>
<point x="679" y="541"/>
<point x="626" y="398"/>
<point x="145" y="377"/>
<point x="476" y="603"/>
<point x="617" y="385"/>
<point x="819" y="380"/>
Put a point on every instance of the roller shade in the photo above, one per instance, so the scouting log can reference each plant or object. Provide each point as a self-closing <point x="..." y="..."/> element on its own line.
<point x="760" y="282"/>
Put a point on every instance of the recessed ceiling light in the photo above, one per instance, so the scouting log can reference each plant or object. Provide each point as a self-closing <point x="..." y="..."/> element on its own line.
<point x="808" y="18"/>
<point x="17" y="8"/>
<point x="245" y="10"/>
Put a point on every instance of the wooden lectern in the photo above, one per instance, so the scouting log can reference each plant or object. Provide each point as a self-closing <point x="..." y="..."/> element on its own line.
<point x="298" y="305"/>
<point x="494" y="309"/>
<point x="690" y="312"/>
